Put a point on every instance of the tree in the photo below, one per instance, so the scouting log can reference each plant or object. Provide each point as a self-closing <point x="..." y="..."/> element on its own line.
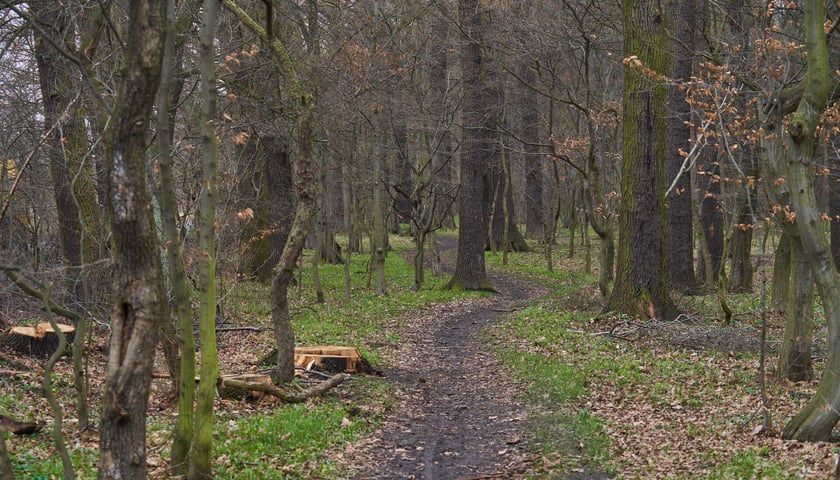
<point x="816" y="421"/>
<point x="641" y="286"/>
<point x="479" y="142"/>
<point x="78" y="212"/>
<point x="201" y="454"/>
<point x="139" y="298"/>
<point x="304" y="184"/>
<point x="680" y="237"/>
<point x="169" y="94"/>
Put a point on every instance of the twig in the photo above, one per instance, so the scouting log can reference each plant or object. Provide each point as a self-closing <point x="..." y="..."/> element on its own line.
<point x="313" y="372"/>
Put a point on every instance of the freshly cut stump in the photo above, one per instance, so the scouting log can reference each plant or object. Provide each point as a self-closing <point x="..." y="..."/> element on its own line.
<point x="332" y="359"/>
<point x="40" y="340"/>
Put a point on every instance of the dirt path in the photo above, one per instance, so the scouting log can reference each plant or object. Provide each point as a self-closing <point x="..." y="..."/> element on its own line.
<point x="457" y="414"/>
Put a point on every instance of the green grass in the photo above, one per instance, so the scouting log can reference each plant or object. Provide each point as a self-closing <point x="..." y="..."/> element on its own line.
<point x="273" y="441"/>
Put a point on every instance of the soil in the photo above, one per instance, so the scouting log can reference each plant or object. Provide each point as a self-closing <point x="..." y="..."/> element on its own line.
<point x="458" y="413"/>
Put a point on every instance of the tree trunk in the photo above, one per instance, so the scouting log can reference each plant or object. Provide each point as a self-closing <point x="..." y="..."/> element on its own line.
<point x="535" y="214"/>
<point x="79" y="215"/>
<point x="77" y="206"/>
<point x="305" y="209"/>
<point x="818" y="418"/>
<point x="711" y="220"/>
<point x="253" y="193"/>
<point x="478" y="141"/>
<point x="781" y="272"/>
<point x="741" y="270"/>
<point x="680" y="238"/>
<point x="641" y="286"/>
<point x="795" y="358"/>
<point x="140" y="300"/>
<point x="169" y="95"/>
<point x="834" y="208"/>
<point x="201" y="454"/>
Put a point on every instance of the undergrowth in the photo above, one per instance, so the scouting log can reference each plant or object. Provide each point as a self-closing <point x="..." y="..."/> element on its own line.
<point x="648" y="405"/>
<point x="258" y="438"/>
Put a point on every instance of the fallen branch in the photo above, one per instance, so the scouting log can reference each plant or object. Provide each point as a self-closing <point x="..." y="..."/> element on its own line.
<point x="287" y="397"/>
<point x="243" y="329"/>
<point x="15" y="373"/>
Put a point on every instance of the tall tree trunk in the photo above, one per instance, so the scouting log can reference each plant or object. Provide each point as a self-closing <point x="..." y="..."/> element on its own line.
<point x="479" y="140"/>
<point x="816" y="421"/>
<point x="139" y="301"/>
<point x="79" y="215"/>
<point x="253" y="177"/>
<point x="641" y="286"/>
<point x="680" y="238"/>
<point x="169" y="94"/>
<point x="535" y="214"/>
<point x="781" y="271"/>
<point x="77" y="206"/>
<point x="201" y="454"/>
<point x="711" y="221"/>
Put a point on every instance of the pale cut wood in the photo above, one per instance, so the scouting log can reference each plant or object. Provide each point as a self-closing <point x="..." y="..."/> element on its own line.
<point x="332" y="358"/>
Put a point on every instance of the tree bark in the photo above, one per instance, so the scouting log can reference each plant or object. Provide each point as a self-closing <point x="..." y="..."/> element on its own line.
<point x="478" y="143"/>
<point x="795" y="359"/>
<point x="201" y="452"/>
<point x="139" y="300"/>
<point x="535" y="214"/>
<point x="169" y="95"/>
<point x="816" y="421"/>
<point x="641" y="284"/>
<point x="78" y="211"/>
<point x="680" y="237"/>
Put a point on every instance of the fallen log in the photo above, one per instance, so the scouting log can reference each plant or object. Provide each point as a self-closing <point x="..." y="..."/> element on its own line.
<point x="283" y="395"/>
<point x="19" y="428"/>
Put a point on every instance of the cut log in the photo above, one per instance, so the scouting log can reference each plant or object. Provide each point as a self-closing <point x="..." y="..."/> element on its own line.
<point x="332" y="359"/>
<point x="226" y="391"/>
<point x="40" y="340"/>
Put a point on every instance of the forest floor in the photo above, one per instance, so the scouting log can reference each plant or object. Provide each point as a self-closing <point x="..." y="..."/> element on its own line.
<point x="534" y="381"/>
<point x="458" y="413"/>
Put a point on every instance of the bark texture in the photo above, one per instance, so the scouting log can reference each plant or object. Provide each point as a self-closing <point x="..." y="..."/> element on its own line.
<point x="478" y="144"/>
<point x="140" y="300"/>
<point x="641" y="283"/>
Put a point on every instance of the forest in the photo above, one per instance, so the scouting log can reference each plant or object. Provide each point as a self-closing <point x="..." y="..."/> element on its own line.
<point x="468" y="239"/>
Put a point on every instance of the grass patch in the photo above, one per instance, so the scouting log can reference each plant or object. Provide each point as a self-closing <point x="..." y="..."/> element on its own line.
<point x="643" y="407"/>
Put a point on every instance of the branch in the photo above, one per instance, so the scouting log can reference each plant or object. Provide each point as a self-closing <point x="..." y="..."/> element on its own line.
<point x="35" y="293"/>
<point x="287" y="397"/>
<point x="64" y="53"/>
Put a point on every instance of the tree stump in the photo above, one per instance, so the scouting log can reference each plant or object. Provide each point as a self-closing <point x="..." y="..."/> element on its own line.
<point x="332" y="359"/>
<point x="40" y="340"/>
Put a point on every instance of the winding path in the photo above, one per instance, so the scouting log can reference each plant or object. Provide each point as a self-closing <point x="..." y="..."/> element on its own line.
<point x="457" y="413"/>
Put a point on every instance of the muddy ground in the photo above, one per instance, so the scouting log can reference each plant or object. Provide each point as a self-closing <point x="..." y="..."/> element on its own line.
<point x="458" y="413"/>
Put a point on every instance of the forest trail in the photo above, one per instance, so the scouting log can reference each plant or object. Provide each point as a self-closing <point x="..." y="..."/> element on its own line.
<point x="458" y="414"/>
